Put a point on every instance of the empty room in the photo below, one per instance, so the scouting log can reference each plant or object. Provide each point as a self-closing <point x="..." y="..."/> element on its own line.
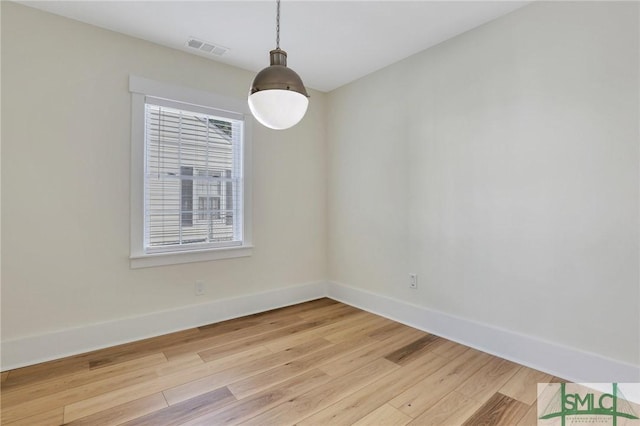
<point x="320" y="213"/>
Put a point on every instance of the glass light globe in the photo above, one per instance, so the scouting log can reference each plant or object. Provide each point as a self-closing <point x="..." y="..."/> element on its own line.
<point x="277" y="97"/>
<point x="278" y="109"/>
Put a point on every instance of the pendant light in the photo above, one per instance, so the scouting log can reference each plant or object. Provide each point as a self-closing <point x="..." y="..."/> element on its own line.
<point x="277" y="97"/>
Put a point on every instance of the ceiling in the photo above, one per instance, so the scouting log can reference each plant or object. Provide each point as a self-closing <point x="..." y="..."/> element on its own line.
<point x="329" y="43"/>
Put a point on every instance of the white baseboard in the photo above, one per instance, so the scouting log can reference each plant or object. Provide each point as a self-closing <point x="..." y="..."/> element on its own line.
<point x="561" y="361"/>
<point x="46" y="347"/>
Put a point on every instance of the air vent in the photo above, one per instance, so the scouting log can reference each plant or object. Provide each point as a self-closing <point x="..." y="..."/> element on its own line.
<point x="206" y="47"/>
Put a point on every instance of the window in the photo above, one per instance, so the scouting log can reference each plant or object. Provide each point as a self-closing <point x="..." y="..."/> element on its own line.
<point x="209" y="208"/>
<point x="186" y="194"/>
<point x="209" y="193"/>
<point x="190" y="192"/>
<point x="177" y="142"/>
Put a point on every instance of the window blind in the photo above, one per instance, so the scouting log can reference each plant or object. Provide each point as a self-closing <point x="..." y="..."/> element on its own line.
<point x="193" y="177"/>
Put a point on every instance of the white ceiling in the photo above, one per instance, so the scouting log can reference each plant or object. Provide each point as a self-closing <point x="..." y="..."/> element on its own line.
<point x="329" y="43"/>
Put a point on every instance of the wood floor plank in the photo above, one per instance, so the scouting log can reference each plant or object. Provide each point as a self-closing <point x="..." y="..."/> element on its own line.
<point x="485" y="382"/>
<point x="207" y="383"/>
<point x="530" y="418"/>
<point x="346" y="333"/>
<point x="71" y="365"/>
<point x="386" y="415"/>
<point x="360" y="403"/>
<point x="4" y="376"/>
<point x="498" y="410"/>
<point x="253" y="354"/>
<point x="59" y="384"/>
<point x="298" y="309"/>
<point x="290" y="312"/>
<point x="388" y="330"/>
<point x="124" y="412"/>
<point x="184" y="363"/>
<point x="449" y="349"/>
<point x="52" y="417"/>
<point x="453" y="409"/>
<point x="367" y="353"/>
<point x="523" y="385"/>
<point x="412" y="350"/>
<point x="260" y="402"/>
<point x="280" y="373"/>
<point x="261" y="339"/>
<point x="232" y="325"/>
<point x="249" y="334"/>
<point x="186" y="410"/>
<point x="426" y="393"/>
<point x="284" y="342"/>
<point x="47" y="370"/>
<point x="303" y="307"/>
<point x="81" y="394"/>
<point x="173" y="374"/>
<point x="336" y="310"/>
<point x="330" y="315"/>
<point x="297" y="408"/>
<point x="231" y="348"/>
<point x="142" y="348"/>
<point x="65" y="367"/>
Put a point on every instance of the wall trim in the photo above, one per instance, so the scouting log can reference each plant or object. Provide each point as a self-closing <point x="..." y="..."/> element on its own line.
<point x="561" y="361"/>
<point x="31" y="350"/>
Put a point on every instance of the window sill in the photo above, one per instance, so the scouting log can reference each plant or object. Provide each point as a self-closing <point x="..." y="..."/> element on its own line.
<point x="175" y="258"/>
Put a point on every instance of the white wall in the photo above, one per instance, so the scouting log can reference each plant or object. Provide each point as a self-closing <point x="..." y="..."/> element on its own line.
<point x="65" y="182"/>
<point x="502" y="167"/>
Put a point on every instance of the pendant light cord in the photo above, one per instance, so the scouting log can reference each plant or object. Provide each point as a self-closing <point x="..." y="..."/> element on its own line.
<point x="278" y="25"/>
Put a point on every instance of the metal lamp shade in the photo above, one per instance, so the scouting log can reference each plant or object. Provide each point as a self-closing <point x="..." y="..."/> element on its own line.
<point x="278" y="98"/>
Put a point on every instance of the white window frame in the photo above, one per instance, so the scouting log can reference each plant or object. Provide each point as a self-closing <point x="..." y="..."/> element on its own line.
<point x="140" y="88"/>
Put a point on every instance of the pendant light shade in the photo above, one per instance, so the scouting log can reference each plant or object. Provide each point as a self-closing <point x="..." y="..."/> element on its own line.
<point x="278" y="98"/>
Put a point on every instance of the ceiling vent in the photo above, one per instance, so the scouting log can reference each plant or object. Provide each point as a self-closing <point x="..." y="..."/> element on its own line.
<point x="206" y="47"/>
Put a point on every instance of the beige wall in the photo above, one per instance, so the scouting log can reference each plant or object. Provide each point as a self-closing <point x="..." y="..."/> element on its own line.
<point x="502" y="167"/>
<point x="65" y="181"/>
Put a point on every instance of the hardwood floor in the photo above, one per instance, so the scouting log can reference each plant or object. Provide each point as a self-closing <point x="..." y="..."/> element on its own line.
<point x="316" y="363"/>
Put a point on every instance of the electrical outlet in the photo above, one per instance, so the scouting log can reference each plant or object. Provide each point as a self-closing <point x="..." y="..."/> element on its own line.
<point x="199" y="288"/>
<point x="413" y="281"/>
